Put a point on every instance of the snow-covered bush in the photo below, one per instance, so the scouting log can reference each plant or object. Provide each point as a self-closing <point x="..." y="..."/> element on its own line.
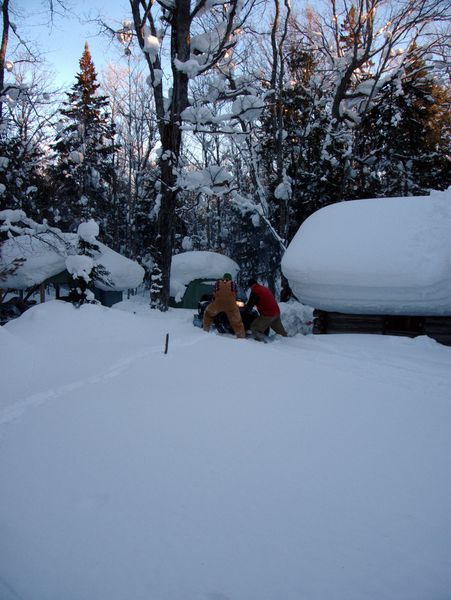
<point x="296" y="317"/>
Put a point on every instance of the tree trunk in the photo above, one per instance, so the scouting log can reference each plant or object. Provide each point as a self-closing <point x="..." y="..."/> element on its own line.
<point x="171" y="139"/>
<point x="3" y="47"/>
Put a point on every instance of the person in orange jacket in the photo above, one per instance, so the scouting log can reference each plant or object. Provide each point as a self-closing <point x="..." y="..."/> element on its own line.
<point x="224" y="300"/>
<point x="269" y="312"/>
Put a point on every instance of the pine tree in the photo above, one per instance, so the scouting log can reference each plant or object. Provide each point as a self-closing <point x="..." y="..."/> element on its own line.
<point x="404" y="139"/>
<point x="85" y="148"/>
<point x="20" y="175"/>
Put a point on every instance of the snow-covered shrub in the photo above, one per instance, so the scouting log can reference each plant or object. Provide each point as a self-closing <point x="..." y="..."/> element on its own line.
<point x="296" y="317"/>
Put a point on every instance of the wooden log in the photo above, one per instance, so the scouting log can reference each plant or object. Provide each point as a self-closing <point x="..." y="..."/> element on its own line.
<point x="438" y="328"/>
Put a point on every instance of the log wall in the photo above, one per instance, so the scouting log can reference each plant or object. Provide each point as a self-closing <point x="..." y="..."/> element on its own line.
<point x="438" y="328"/>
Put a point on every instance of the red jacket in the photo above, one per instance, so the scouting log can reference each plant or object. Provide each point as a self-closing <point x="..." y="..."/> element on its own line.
<point x="263" y="299"/>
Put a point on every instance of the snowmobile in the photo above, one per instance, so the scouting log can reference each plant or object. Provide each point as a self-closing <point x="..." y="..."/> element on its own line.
<point x="221" y="321"/>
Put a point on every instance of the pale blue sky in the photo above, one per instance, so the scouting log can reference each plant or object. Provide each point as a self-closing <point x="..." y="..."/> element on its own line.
<point x="63" y="41"/>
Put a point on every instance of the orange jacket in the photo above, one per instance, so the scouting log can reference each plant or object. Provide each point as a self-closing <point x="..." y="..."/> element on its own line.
<point x="224" y="294"/>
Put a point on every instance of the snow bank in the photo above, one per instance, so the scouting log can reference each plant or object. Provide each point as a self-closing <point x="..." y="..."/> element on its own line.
<point x="379" y="256"/>
<point x="313" y="467"/>
<point x="196" y="265"/>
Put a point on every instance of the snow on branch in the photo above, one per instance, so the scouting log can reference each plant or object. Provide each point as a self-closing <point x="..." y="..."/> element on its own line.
<point x="248" y="108"/>
<point x="213" y="181"/>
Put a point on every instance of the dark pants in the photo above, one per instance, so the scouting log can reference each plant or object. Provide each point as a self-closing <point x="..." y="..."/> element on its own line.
<point x="261" y="323"/>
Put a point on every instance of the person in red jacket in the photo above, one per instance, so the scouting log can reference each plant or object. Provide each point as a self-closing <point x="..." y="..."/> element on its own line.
<point x="269" y="312"/>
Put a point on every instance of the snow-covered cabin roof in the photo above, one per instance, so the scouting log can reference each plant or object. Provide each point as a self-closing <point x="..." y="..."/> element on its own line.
<point x="45" y="256"/>
<point x="187" y="266"/>
<point x="377" y="256"/>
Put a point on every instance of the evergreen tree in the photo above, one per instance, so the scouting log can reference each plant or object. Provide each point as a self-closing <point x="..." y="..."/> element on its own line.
<point x="85" y="146"/>
<point x="305" y="123"/>
<point x="20" y="175"/>
<point x="404" y="140"/>
<point x="84" y="266"/>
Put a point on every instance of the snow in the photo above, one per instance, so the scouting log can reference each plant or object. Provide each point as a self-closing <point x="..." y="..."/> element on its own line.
<point x="46" y="256"/>
<point x="190" y="67"/>
<point x="151" y="44"/>
<point x="196" y="265"/>
<point x="377" y="256"/>
<point x="80" y="266"/>
<point x="283" y="191"/>
<point x="187" y="243"/>
<point x="248" y="107"/>
<point x="210" y="41"/>
<point x="214" y="180"/>
<point x="125" y="273"/>
<point x="157" y="78"/>
<point x="10" y="215"/>
<point x="88" y="231"/>
<point x="199" y="115"/>
<point x="312" y="467"/>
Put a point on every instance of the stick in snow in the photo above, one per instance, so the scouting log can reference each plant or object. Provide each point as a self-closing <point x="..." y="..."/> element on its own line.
<point x="166" y="344"/>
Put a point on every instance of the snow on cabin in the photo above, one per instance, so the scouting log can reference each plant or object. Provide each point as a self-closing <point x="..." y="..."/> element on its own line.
<point x="45" y="257"/>
<point x="385" y="256"/>
<point x="198" y="269"/>
<point x="381" y="256"/>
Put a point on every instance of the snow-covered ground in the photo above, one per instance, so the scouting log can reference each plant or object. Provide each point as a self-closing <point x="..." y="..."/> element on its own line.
<point x="310" y="468"/>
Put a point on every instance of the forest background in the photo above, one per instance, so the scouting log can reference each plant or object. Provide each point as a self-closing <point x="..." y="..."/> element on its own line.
<point x="225" y="124"/>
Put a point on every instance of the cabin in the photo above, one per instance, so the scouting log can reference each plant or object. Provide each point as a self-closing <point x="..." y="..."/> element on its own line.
<point x="193" y="275"/>
<point x="380" y="266"/>
<point x="42" y="263"/>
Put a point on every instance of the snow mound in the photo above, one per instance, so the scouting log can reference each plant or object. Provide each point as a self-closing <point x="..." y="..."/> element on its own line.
<point x="376" y="256"/>
<point x="296" y="317"/>
<point x="196" y="265"/>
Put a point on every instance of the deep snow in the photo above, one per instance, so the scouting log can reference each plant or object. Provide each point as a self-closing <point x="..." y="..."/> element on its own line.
<point x="49" y="254"/>
<point x="377" y="256"/>
<point x="311" y="468"/>
<point x="190" y="265"/>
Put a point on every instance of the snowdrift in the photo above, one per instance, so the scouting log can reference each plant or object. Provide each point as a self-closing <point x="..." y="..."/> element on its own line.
<point x="313" y="467"/>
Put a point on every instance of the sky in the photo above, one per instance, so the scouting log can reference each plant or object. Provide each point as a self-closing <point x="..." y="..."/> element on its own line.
<point x="62" y="41"/>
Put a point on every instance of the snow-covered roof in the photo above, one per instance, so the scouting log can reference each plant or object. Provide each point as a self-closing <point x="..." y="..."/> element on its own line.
<point x="377" y="256"/>
<point x="196" y="265"/>
<point x="45" y="256"/>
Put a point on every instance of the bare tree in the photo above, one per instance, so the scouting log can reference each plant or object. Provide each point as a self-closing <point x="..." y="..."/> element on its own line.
<point x="200" y="37"/>
<point x="133" y="113"/>
<point x="354" y="36"/>
<point x="279" y="34"/>
<point x="3" y="49"/>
